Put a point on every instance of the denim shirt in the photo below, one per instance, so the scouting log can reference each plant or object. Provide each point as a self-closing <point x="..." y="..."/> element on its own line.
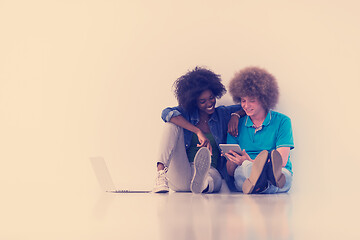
<point x="218" y="124"/>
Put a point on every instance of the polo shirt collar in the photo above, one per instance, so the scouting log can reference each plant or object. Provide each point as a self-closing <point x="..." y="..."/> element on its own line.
<point x="267" y="119"/>
<point x="249" y="123"/>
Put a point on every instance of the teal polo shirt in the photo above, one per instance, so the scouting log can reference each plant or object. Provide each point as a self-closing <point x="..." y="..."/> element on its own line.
<point x="275" y="132"/>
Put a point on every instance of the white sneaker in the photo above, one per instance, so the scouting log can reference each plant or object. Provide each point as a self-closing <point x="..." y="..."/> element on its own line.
<point x="202" y="162"/>
<point x="161" y="182"/>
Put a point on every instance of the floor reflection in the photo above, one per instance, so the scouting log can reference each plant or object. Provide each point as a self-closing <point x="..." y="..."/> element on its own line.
<point x="219" y="216"/>
<point x="102" y="205"/>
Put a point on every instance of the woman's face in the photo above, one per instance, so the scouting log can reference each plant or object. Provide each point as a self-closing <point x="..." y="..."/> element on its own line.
<point x="206" y="102"/>
<point x="252" y="106"/>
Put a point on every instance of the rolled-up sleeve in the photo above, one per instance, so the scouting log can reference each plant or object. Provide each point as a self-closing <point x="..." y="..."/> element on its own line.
<point x="169" y="112"/>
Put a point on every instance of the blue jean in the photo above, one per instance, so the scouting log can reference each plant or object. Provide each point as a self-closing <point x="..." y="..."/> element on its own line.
<point x="243" y="172"/>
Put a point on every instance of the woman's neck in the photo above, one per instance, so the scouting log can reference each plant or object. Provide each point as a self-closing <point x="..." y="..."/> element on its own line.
<point x="203" y="123"/>
<point x="204" y="117"/>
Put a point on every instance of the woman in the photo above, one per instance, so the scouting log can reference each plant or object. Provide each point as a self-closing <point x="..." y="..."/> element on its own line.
<point x="265" y="136"/>
<point x="189" y="158"/>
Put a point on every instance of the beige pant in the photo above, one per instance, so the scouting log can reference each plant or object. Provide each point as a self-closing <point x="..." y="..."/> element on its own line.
<point x="180" y="171"/>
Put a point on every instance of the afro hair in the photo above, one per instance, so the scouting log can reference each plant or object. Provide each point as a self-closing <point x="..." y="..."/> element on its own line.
<point x="255" y="82"/>
<point x="189" y="87"/>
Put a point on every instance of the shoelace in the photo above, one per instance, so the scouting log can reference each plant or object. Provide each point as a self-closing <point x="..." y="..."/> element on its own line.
<point x="162" y="177"/>
<point x="163" y="171"/>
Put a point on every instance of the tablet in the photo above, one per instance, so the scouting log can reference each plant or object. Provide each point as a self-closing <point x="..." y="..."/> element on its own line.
<point x="227" y="147"/>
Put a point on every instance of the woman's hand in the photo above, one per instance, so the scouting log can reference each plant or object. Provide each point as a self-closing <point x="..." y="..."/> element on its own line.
<point x="238" y="158"/>
<point x="204" y="141"/>
<point x="233" y="126"/>
<point x="182" y="122"/>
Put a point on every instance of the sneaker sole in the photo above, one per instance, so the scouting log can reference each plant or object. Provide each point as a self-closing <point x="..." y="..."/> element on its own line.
<point x="202" y="166"/>
<point x="276" y="162"/>
<point x="162" y="189"/>
<point x="257" y="168"/>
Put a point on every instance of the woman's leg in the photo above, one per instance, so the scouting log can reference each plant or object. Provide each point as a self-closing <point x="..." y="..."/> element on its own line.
<point x="200" y="169"/>
<point x="214" y="180"/>
<point x="173" y="156"/>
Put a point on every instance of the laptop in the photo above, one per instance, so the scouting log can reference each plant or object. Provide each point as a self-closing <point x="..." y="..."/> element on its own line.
<point x="104" y="178"/>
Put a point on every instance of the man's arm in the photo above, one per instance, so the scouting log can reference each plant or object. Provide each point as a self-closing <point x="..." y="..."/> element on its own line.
<point x="284" y="152"/>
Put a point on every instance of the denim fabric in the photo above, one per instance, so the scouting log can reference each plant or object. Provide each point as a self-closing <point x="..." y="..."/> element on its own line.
<point x="218" y="126"/>
<point x="243" y="172"/>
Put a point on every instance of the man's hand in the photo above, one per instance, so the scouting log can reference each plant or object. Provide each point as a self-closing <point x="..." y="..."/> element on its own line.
<point x="238" y="158"/>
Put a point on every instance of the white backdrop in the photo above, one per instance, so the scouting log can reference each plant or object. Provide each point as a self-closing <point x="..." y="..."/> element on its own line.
<point x="87" y="78"/>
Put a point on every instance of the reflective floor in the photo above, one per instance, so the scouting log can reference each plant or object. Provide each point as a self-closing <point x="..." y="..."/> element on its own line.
<point x="222" y="216"/>
<point x="96" y="215"/>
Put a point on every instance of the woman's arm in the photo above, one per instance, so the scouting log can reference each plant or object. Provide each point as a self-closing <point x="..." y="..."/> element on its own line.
<point x="182" y="122"/>
<point x="233" y="125"/>
<point x="176" y="115"/>
<point x="170" y="112"/>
